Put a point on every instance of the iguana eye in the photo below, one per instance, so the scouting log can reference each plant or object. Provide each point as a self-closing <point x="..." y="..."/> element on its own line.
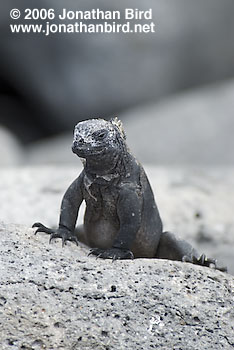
<point x="100" y="135"/>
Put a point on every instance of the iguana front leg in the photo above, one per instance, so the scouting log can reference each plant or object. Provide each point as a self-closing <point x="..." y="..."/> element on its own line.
<point x="129" y="214"/>
<point x="68" y="214"/>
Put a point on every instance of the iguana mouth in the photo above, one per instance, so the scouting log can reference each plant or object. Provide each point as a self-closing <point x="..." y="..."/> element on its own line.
<point x="85" y="151"/>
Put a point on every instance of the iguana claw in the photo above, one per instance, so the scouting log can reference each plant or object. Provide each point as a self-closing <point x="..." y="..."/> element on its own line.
<point x="204" y="261"/>
<point x="62" y="233"/>
<point x="112" y="253"/>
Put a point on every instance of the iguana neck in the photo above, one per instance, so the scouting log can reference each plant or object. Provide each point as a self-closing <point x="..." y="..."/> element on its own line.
<point x="108" y="164"/>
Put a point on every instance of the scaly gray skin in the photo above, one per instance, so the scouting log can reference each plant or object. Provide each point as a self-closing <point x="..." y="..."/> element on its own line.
<point x="121" y="219"/>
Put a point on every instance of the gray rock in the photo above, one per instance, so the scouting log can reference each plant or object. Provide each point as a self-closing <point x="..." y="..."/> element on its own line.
<point x="11" y="150"/>
<point x="54" y="150"/>
<point x="195" y="204"/>
<point x="58" y="298"/>
<point x="194" y="128"/>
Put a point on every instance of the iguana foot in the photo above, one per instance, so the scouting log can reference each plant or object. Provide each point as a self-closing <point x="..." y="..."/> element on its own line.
<point x="112" y="253"/>
<point x="62" y="233"/>
<point x="204" y="261"/>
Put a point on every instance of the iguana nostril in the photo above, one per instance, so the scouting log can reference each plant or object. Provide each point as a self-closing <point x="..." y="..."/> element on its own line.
<point x="77" y="143"/>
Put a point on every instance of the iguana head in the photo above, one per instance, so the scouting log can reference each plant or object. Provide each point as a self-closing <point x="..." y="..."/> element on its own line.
<point x="98" y="138"/>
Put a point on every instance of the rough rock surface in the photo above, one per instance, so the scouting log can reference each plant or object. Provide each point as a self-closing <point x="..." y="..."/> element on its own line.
<point x="58" y="298"/>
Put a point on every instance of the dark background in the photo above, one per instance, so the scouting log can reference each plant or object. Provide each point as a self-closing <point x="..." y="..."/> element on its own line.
<point x="50" y="83"/>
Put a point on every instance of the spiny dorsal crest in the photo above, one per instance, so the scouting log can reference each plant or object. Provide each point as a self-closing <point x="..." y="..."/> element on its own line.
<point x="119" y="125"/>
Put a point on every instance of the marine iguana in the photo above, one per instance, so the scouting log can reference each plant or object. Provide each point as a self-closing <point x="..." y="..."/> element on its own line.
<point x="122" y="220"/>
